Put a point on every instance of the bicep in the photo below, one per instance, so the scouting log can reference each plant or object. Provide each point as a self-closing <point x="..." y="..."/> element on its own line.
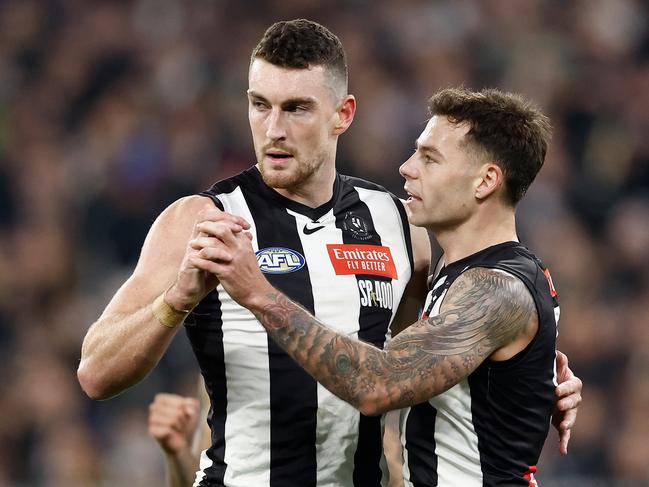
<point x="483" y="311"/>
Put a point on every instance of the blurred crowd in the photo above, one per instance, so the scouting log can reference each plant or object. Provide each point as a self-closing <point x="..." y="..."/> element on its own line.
<point x="110" y="110"/>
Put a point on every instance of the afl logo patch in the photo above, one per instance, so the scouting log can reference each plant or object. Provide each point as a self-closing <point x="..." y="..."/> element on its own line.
<point x="279" y="260"/>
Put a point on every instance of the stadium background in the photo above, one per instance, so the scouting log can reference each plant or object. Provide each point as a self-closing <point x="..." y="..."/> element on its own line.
<point x="109" y="110"/>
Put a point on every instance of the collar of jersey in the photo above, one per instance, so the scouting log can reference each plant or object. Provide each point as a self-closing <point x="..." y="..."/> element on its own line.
<point x="462" y="262"/>
<point x="313" y="213"/>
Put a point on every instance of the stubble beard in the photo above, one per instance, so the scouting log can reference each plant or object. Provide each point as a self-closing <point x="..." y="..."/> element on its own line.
<point x="290" y="178"/>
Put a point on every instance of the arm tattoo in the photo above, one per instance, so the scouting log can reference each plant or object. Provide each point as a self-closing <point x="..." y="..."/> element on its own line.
<point x="484" y="309"/>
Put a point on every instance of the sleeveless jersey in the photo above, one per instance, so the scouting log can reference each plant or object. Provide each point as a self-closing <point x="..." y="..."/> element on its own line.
<point x="488" y="430"/>
<point x="347" y="262"/>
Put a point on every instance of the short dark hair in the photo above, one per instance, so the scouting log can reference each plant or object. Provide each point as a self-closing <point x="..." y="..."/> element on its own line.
<point x="300" y="44"/>
<point x="506" y="127"/>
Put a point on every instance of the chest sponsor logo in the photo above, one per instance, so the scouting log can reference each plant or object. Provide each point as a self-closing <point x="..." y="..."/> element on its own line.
<point x="375" y="260"/>
<point x="279" y="260"/>
<point x="376" y="294"/>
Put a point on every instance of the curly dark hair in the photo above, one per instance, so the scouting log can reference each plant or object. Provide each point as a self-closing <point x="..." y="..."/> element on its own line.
<point x="504" y="126"/>
<point x="300" y="44"/>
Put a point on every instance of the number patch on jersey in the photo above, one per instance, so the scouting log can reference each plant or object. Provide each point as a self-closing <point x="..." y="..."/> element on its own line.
<point x="362" y="259"/>
<point x="376" y="294"/>
<point x="279" y="260"/>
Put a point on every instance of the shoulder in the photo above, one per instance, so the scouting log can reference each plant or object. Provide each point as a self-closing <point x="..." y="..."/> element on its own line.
<point x="497" y="302"/>
<point x="166" y="242"/>
<point x="363" y="183"/>
<point x="172" y="229"/>
<point x="496" y="286"/>
<point x="184" y="211"/>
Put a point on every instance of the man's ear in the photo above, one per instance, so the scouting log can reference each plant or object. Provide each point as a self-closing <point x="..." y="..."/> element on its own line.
<point x="491" y="179"/>
<point x="345" y="114"/>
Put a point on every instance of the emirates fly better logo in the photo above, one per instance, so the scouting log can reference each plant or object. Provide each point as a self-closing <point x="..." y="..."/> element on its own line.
<point x="375" y="260"/>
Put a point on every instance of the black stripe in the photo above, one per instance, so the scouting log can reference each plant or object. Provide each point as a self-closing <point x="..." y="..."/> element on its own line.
<point x="420" y="444"/>
<point x="355" y="220"/>
<point x="205" y="332"/>
<point x="293" y="393"/>
<point x="214" y="198"/>
<point x="420" y="424"/>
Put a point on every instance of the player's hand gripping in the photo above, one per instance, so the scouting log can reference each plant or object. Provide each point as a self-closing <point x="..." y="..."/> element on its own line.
<point x="568" y="394"/>
<point x="172" y="421"/>
<point x="193" y="282"/>
<point x="227" y="253"/>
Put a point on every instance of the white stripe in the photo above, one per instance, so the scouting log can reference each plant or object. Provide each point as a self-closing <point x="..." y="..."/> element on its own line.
<point x="205" y="463"/>
<point x="439" y="283"/>
<point x="235" y="203"/>
<point x="458" y="458"/>
<point x="438" y="304"/>
<point x="245" y="346"/>
<point x="456" y="442"/>
<point x="557" y="314"/>
<point x="337" y="421"/>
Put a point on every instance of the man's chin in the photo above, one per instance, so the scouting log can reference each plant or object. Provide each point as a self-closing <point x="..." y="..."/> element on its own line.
<point x="416" y="219"/>
<point x="282" y="179"/>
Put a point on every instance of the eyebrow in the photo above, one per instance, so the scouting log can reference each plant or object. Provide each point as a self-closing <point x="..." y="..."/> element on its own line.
<point x="288" y="103"/>
<point x="428" y="148"/>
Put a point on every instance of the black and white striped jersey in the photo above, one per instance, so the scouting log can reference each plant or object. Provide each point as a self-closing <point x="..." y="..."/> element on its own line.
<point x="488" y="430"/>
<point x="348" y="262"/>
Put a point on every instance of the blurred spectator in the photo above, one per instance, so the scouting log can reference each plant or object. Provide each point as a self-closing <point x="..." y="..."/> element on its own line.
<point x="111" y="110"/>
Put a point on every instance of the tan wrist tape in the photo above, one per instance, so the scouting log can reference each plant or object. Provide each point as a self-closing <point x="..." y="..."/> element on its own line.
<point x="166" y="314"/>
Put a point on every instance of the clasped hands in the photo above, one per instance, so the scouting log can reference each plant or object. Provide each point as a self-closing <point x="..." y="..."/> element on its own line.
<point x="223" y="247"/>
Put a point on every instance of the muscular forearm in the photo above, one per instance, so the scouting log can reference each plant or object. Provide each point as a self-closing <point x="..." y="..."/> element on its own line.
<point x="370" y="379"/>
<point x="421" y="362"/>
<point x="120" y="350"/>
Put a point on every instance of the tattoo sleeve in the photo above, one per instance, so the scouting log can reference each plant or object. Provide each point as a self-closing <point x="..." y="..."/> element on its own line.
<point x="484" y="309"/>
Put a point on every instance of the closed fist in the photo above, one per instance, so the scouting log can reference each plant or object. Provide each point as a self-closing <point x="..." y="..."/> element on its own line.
<point x="173" y="420"/>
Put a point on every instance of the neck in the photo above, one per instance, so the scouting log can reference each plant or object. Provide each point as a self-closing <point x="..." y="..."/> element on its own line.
<point x="477" y="234"/>
<point x="309" y="194"/>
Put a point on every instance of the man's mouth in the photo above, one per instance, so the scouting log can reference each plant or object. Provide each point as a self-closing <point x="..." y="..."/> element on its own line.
<point x="412" y="197"/>
<point x="277" y="155"/>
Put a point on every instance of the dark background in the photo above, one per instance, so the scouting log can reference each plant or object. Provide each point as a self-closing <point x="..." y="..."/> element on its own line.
<point x="110" y="110"/>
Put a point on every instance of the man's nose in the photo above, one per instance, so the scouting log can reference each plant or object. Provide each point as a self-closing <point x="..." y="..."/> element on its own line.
<point x="275" y="130"/>
<point x="407" y="169"/>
